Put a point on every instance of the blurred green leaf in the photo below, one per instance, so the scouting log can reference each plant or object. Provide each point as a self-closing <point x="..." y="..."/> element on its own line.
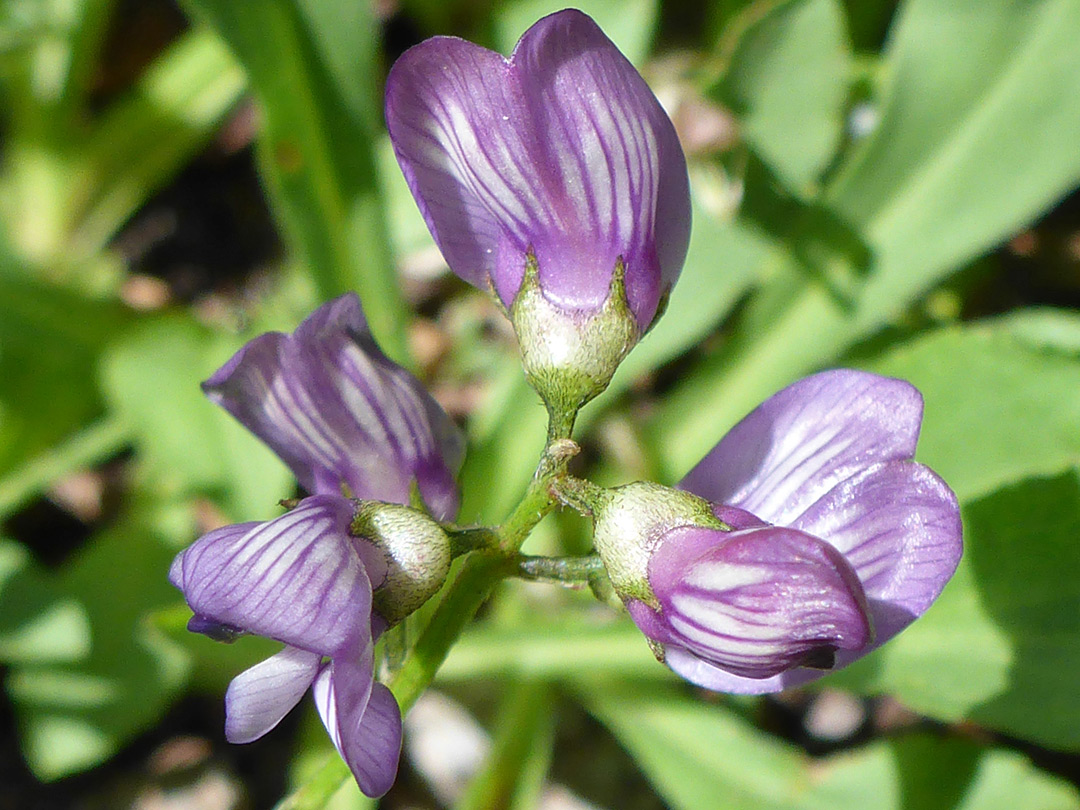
<point x="787" y="80"/>
<point x="408" y="231"/>
<point x="629" y="24"/>
<point x="152" y="378"/>
<point x="552" y="649"/>
<point x="38" y="623"/>
<point x="977" y="125"/>
<point x="520" y="752"/>
<point x="314" y="69"/>
<point x="702" y="755"/>
<point x="49" y="342"/>
<point x="173" y="110"/>
<point x="213" y="664"/>
<point x="1002" y="644"/>
<point x="506" y="438"/>
<point x="999" y="407"/>
<point x="74" y="716"/>
<point x="79" y="451"/>
<point x="696" y="754"/>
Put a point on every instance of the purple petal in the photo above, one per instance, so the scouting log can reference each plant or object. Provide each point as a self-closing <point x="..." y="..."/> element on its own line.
<point x="801" y="442"/>
<point x="258" y="698"/>
<point x="562" y="148"/>
<point x="297" y="579"/>
<point x="362" y="719"/>
<point x="337" y="410"/>
<point x="898" y="525"/>
<point x="759" y="601"/>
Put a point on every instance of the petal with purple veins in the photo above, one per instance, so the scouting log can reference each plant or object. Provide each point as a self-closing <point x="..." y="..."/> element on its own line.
<point x="338" y="411"/>
<point x="258" y="698"/>
<point x="803" y="441"/>
<point x="297" y="579"/>
<point x="898" y="524"/>
<point x="758" y="601"/>
<point x="561" y="148"/>
<point x="362" y="718"/>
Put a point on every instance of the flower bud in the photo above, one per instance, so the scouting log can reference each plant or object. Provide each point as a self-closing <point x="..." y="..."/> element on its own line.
<point x="558" y="163"/>
<point x="416" y="551"/>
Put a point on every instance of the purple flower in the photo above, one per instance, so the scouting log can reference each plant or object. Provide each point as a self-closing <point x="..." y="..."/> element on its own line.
<point x="339" y="412"/>
<point x="303" y="580"/>
<point x="552" y="168"/>
<point x="818" y="540"/>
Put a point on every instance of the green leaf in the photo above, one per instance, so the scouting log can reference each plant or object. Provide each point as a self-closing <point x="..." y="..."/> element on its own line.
<point x="1002" y="403"/>
<point x="73" y="716"/>
<point x="977" y="123"/>
<point x="520" y="752"/>
<point x="213" y="664"/>
<point x="313" y="67"/>
<point x="1002" y="644"/>
<point x="173" y="110"/>
<point x="552" y="649"/>
<point x="787" y="82"/>
<point x="699" y="755"/>
<point x="628" y="24"/>
<point x="49" y="342"/>
<point x="38" y="623"/>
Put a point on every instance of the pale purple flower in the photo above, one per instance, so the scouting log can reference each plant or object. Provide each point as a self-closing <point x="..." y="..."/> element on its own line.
<point x="840" y="540"/>
<point x="303" y="580"/>
<point x="561" y="150"/>
<point x="331" y="405"/>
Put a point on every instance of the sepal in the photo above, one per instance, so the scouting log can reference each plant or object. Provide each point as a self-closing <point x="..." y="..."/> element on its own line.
<point x="416" y="554"/>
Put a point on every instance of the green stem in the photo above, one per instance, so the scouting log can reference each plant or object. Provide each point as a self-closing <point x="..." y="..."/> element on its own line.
<point x="538" y="500"/>
<point x="474" y="582"/>
<point x="462" y="541"/>
<point x="563" y="570"/>
<point x="560" y="425"/>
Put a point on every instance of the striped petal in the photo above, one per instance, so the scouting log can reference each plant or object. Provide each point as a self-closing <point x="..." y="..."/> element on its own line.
<point x="258" y="698"/>
<point x="338" y="411"/>
<point x="759" y="601"/>
<point x="898" y="525"/>
<point x="562" y="148"/>
<point x="800" y="443"/>
<point x="362" y="719"/>
<point x="297" y="579"/>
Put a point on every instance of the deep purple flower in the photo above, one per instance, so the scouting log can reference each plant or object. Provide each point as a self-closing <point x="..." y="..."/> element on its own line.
<point x="303" y="580"/>
<point x="560" y="154"/>
<point x="338" y="411"/>
<point x="818" y="540"/>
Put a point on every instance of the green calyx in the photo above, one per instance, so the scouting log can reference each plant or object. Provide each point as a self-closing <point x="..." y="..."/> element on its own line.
<point x="630" y="521"/>
<point x="417" y="553"/>
<point x="570" y="357"/>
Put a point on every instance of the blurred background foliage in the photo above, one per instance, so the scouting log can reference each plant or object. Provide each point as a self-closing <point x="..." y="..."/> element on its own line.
<point x="876" y="184"/>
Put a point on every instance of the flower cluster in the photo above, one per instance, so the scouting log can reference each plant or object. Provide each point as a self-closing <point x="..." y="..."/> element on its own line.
<point x="553" y="179"/>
